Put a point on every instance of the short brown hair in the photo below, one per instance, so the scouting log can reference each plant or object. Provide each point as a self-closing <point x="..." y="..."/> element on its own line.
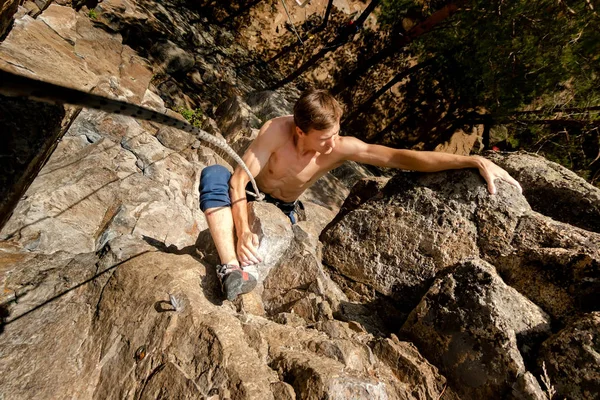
<point x="316" y="109"/>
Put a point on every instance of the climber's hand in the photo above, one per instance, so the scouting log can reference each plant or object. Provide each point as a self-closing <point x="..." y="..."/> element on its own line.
<point x="247" y="249"/>
<point x="491" y="172"/>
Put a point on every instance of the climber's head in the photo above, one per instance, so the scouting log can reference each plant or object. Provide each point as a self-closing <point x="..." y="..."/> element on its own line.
<point x="317" y="117"/>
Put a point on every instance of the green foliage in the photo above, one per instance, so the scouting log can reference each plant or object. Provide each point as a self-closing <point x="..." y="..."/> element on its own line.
<point x="509" y="54"/>
<point x="93" y="14"/>
<point x="193" y="116"/>
<point x="501" y="57"/>
<point x="391" y="12"/>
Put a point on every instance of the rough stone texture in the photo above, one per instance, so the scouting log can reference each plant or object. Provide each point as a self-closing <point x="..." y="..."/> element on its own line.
<point x="335" y="362"/>
<point x="268" y="104"/>
<point x="553" y="190"/>
<point x="413" y="371"/>
<point x="527" y="387"/>
<point x="234" y="117"/>
<point x="556" y="265"/>
<point x="110" y="320"/>
<point x="572" y="358"/>
<point x="110" y="177"/>
<point x="171" y="58"/>
<point x="68" y="44"/>
<point x="363" y="190"/>
<point x="419" y="224"/>
<point x="274" y="231"/>
<point x="299" y="284"/>
<point x="476" y="329"/>
<point x="90" y="330"/>
<point x="396" y="244"/>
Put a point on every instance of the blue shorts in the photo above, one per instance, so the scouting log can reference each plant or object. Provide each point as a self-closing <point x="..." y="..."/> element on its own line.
<point x="214" y="192"/>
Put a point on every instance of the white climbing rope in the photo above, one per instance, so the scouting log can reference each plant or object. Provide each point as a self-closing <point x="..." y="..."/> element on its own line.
<point x="291" y="23"/>
<point x="19" y="85"/>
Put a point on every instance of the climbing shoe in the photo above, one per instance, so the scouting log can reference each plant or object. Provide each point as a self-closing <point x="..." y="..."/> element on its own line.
<point x="234" y="280"/>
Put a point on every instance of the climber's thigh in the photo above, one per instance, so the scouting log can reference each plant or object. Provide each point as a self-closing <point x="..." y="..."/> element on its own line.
<point x="214" y="187"/>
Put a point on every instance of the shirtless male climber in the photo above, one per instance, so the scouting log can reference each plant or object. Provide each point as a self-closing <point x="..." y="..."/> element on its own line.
<point x="289" y="154"/>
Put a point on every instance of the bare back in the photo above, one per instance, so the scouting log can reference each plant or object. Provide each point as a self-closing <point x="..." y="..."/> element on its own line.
<point x="287" y="173"/>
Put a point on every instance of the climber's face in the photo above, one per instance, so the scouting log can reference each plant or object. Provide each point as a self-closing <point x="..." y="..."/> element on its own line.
<point x="322" y="141"/>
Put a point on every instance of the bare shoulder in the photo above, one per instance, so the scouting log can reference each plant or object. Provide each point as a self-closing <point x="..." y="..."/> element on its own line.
<point x="278" y="130"/>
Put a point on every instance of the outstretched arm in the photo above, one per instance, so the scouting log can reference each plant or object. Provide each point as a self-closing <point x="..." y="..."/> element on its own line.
<point x="424" y="161"/>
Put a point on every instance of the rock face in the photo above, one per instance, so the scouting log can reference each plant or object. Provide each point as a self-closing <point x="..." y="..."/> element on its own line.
<point x="67" y="45"/>
<point x="571" y="358"/>
<point x="553" y="190"/>
<point x="107" y="279"/>
<point x="391" y="242"/>
<point x="420" y="224"/>
<point x="155" y="324"/>
<point x="397" y="243"/>
<point x="476" y="328"/>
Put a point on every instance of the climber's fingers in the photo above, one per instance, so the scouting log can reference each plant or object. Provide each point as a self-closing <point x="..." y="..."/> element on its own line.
<point x="513" y="182"/>
<point x="248" y="249"/>
<point x="491" y="172"/>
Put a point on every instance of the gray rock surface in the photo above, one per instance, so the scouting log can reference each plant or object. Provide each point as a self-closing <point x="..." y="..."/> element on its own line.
<point x="476" y="329"/>
<point x="418" y="224"/>
<point x="107" y="284"/>
<point x="397" y="243"/>
<point x="553" y="190"/>
<point x="171" y="58"/>
<point x="572" y="358"/>
<point x="110" y="177"/>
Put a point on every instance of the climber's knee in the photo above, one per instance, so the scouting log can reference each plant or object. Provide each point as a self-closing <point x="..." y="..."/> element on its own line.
<point x="214" y="187"/>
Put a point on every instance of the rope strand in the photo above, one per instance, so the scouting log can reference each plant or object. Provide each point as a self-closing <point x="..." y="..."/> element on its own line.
<point x="22" y="86"/>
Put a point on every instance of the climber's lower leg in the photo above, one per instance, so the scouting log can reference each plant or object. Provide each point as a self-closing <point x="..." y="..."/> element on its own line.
<point x="216" y="205"/>
<point x="220" y="224"/>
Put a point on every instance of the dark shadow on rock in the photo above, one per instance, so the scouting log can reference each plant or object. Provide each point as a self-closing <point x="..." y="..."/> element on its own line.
<point x="211" y="287"/>
<point x="172" y="249"/>
<point x="378" y="317"/>
<point x="4" y="313"/>
<point x="203" y="251"/>
<point x="4" y="306"/>
<point x="163" y="306"/>
<point x="206" y="246"/>
<point x="529" y="342"/>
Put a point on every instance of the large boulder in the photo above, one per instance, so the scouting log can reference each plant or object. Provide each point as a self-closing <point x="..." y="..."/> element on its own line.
<point x="397" y="239"/>
<point x="555" y="265"/>
<point x="153" y="325"/>
<point x="477" y="329"/>
<point x="571" y="358"/>
<point x="396" y="242"/>
<point x="552" y="189"/>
